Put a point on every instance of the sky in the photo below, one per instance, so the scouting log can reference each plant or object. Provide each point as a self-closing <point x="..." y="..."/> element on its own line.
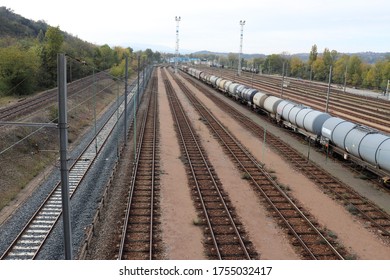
<point x="272" y="26"/>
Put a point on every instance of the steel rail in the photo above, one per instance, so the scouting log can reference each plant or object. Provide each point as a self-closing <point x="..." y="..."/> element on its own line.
<point x="380" y="219"/>
<point x="84" y="161"/>
<point x="339" y="189"/>
<point x="174" y="99"/>
<point x="220" y="131"/>
<point x="136" y="173"/>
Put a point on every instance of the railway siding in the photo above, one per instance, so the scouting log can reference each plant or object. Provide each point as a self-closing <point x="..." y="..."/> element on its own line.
<point x="367" y="210"/>
<point x="306" y="235"/>
<point x="225" y="235"/>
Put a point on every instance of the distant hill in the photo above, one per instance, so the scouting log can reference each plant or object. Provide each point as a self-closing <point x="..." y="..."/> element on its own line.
<point x="371" y="57"/>
<point x="367" y="57"/>
<point x="14" y="25"/>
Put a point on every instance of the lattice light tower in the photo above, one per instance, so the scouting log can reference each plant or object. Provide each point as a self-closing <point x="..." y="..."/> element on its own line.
<point x="177" y="42"/>
<point x="242" y="23"/>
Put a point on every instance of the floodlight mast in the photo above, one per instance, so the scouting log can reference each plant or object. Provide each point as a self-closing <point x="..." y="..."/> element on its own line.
<point x="177" y="42"/>
<point x="242" y="23"/>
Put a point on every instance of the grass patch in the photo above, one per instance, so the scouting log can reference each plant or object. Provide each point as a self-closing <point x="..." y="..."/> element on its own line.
<point x="352" y="209"/>
<point x="197" y="222"/>
<point x="53" y="114"/>
<point x="331" y="234"/>
<point x="351" y="257"/>
<point x="285" y="187"/>
<point x="245" y="176"/>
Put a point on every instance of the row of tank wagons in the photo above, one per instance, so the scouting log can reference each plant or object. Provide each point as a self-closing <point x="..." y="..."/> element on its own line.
<point x="360" y="141"/>
<point x="250" y="69"/>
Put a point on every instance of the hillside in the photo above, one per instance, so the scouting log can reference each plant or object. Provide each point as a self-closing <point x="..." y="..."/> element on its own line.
<point x="14" y="25"/>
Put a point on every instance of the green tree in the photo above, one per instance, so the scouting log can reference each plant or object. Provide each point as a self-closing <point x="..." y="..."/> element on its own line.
<point x="50" y="48"/>
<point x="313" y="54"/>
<point x="233" y="60"/>
<point x="339" y="69"/>
<point x="104" y="57"/>
<point x="319" y="69"/>
<point x="355" y="70"/>
<point x="18" y="71"/>
<point x="297" y="67"/>
<point x="274" y="64"/>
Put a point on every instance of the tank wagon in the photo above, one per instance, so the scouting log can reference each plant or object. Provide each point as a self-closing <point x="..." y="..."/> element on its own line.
<point x="250" y="69"/>
<point x="364" y="145"/>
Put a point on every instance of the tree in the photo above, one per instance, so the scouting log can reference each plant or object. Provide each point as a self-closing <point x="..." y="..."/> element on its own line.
<point x="233" y="60"/>
<point x="273" y="64"/>
<point x="51" y="47"/>
<point x="297" y="67"/>
<point x="339" y="69"/>
<point x="18" y="70"/>
<point x="313" y="54"/>
<point x="319" y="70"/>
<point x="355" y="70"/>
<point x="104" y="57"/>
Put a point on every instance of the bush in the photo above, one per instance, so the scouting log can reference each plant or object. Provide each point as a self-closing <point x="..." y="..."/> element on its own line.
<point x="18" y="70"/>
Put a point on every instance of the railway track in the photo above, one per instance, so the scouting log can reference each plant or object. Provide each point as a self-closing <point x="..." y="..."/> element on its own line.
<point x="140" y="235"/>
<point x="31" y="104"/>
<point x="225" y="236"/>
<point x="30" y="240"/>
<point x="306" y="235"/>
<point x="352" y="200"/>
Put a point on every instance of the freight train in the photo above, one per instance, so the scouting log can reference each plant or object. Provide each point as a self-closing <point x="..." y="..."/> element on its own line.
<point x="363" y="145"/>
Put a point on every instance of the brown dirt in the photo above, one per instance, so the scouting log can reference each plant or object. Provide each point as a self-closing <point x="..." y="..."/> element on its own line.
<point x="352" y="234"/>
<point x="269" y="240"/>
<point x="182" y="238"/>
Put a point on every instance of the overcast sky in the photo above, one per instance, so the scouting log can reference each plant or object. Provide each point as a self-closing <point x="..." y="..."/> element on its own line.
<point x="272" y="26"/>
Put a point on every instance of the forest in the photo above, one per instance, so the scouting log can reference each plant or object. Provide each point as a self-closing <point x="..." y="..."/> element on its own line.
<point x="28" y="55"/>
